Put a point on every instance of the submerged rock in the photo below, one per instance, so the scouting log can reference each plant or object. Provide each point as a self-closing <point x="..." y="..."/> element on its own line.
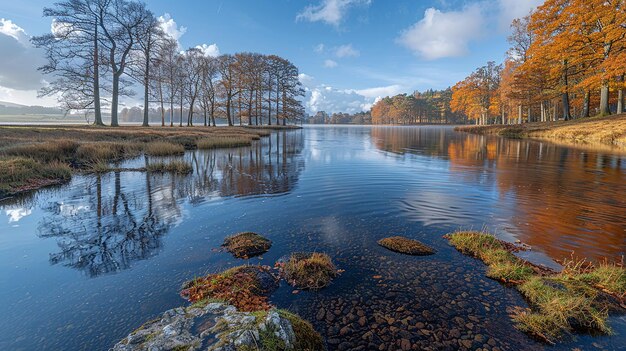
<point x="406" y="246"/>
<point x="221" y="327"/>
<point x="247" y="244"/>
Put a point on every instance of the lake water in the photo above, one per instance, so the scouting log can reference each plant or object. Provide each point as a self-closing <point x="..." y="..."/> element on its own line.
<point x="81" y="265"/>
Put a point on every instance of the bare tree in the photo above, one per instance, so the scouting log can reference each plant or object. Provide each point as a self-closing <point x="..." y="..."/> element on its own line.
<point x="227" y="68"/>
<point x="119" y="20"/>
<point x="72" y="52"/>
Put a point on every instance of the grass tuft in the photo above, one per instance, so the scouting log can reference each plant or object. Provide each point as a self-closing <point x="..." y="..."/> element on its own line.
<point x="406" y="246"/>
<point x="163" y="148"/>
<point x="561" y="303"/>
<point x="246" y="245"/>
<point x="309" y="270"/>
<point x="245" y="287"/>
<point x="21" y="174"/>
<point x="224" y="142"/>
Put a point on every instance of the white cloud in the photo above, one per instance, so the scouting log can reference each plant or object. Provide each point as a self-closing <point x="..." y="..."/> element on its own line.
<point x="346" y="51"/>
<point x="319" y="48"/>
<point x="209" y="50"/>
<point x="512" y="9"/>
<point x="329" y="11"/>
<point x="170" y="27"/>
<point x="321" y="97"/>
<point x="380" y="92"/>
<point x="20" y="59"/>
<point x="326" y="98"/>
<point x="444" y="34"/>
<point x="305" y="78"/>
<point x="330" y="64"/>
<point x="8" y="28"/>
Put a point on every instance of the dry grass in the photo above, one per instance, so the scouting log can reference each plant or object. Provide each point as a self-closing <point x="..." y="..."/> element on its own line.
<point x="406" y="246"/>
<point x="245" y="287"/>
<point x="224" y="142"/>
<point x="93" y="148"/>
<point x="610" y="130"/>
<point x="309" y="270"/>
<point x="21" y="174"/>
<point x="561" y="303"/>
<point x="246" y="244"/>
<point x="164" y="148"/>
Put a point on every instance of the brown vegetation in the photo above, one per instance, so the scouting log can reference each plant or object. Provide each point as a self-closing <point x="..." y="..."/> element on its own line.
<point x="406" y="246"/>
<point x="602" y="130"/>
<point x="245" y="287"/>
<point x="309" y="270"/>
<point x="37" y="156"/>
<point x="246" y="244"/>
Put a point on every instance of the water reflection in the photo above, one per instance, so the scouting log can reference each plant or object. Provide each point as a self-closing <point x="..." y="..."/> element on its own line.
<point x="117" y="218"/>
<point x="562" y="199"/>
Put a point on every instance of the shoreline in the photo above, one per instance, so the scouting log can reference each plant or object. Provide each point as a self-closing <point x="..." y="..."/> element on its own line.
<point x="38" y="156"/>
<point x="608" y="133"/>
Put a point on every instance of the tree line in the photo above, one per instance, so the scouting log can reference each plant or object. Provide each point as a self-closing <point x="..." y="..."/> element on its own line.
<point x="566" y="60"/>
<point x="431" y="106"/>
<point x="101" y="50"/>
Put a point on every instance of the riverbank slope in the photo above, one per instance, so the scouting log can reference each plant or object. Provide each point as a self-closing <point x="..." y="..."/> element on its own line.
<point x="610" y="130"/>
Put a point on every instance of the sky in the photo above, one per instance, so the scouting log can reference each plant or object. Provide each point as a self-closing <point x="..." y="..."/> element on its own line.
<point x="349" y="52"/>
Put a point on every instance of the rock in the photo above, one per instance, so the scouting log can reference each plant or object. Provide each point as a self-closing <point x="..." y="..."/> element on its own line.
<point x="228" y="329"/>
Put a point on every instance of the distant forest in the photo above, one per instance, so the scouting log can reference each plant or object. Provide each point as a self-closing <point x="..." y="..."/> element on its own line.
<point x="429" y="107"/>
<point x="14" y="109"/>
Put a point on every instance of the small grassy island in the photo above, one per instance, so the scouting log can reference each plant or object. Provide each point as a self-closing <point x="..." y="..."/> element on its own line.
<point x="247" y="244"/>
<point x="579" y="298"/>
<point x="406" y="246"/>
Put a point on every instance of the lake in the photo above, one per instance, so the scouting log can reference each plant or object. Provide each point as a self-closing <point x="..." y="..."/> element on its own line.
<point x="83" y="264"/>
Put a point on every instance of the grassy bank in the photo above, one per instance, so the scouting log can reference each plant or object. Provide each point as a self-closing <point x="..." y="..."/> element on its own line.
<point x="609" y="130"/>
<point x="577" y="299"/>
<point x="35" y="156"/>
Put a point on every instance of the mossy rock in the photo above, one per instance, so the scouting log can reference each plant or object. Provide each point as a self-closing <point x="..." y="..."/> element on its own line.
<point x="247" y="244"/>
<point x="306" y="270"/>
<point x="406" y="246"/>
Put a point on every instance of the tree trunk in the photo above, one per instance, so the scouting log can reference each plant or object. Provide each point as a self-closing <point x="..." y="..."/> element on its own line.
<point x="519" y="115"/>
<point x="162" y="106"/>
<point x="620" y="101"/>
<point x="146" y="82"/>
<point x="171" y="111"/>
<point x="115" y="100"/>
<point x="566" y="107"/>
<point x="269" y="107"/>
<point x="605" y="110"/>
<point x="228" y="115"/>
<point x="213" y="113"/>
<point x="586" y="104"/>
<point x="96" y="81"/>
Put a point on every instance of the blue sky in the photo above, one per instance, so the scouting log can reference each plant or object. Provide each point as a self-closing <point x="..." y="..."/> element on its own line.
<point x="349" y="52"/>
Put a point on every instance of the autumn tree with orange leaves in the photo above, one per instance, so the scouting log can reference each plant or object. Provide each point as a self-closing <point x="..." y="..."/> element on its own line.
<point x="567" y="60"/>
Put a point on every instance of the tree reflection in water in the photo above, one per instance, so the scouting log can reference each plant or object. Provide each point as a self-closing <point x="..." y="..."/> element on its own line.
<point x="564" y="199"/>
<point x="121" y="217"/>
